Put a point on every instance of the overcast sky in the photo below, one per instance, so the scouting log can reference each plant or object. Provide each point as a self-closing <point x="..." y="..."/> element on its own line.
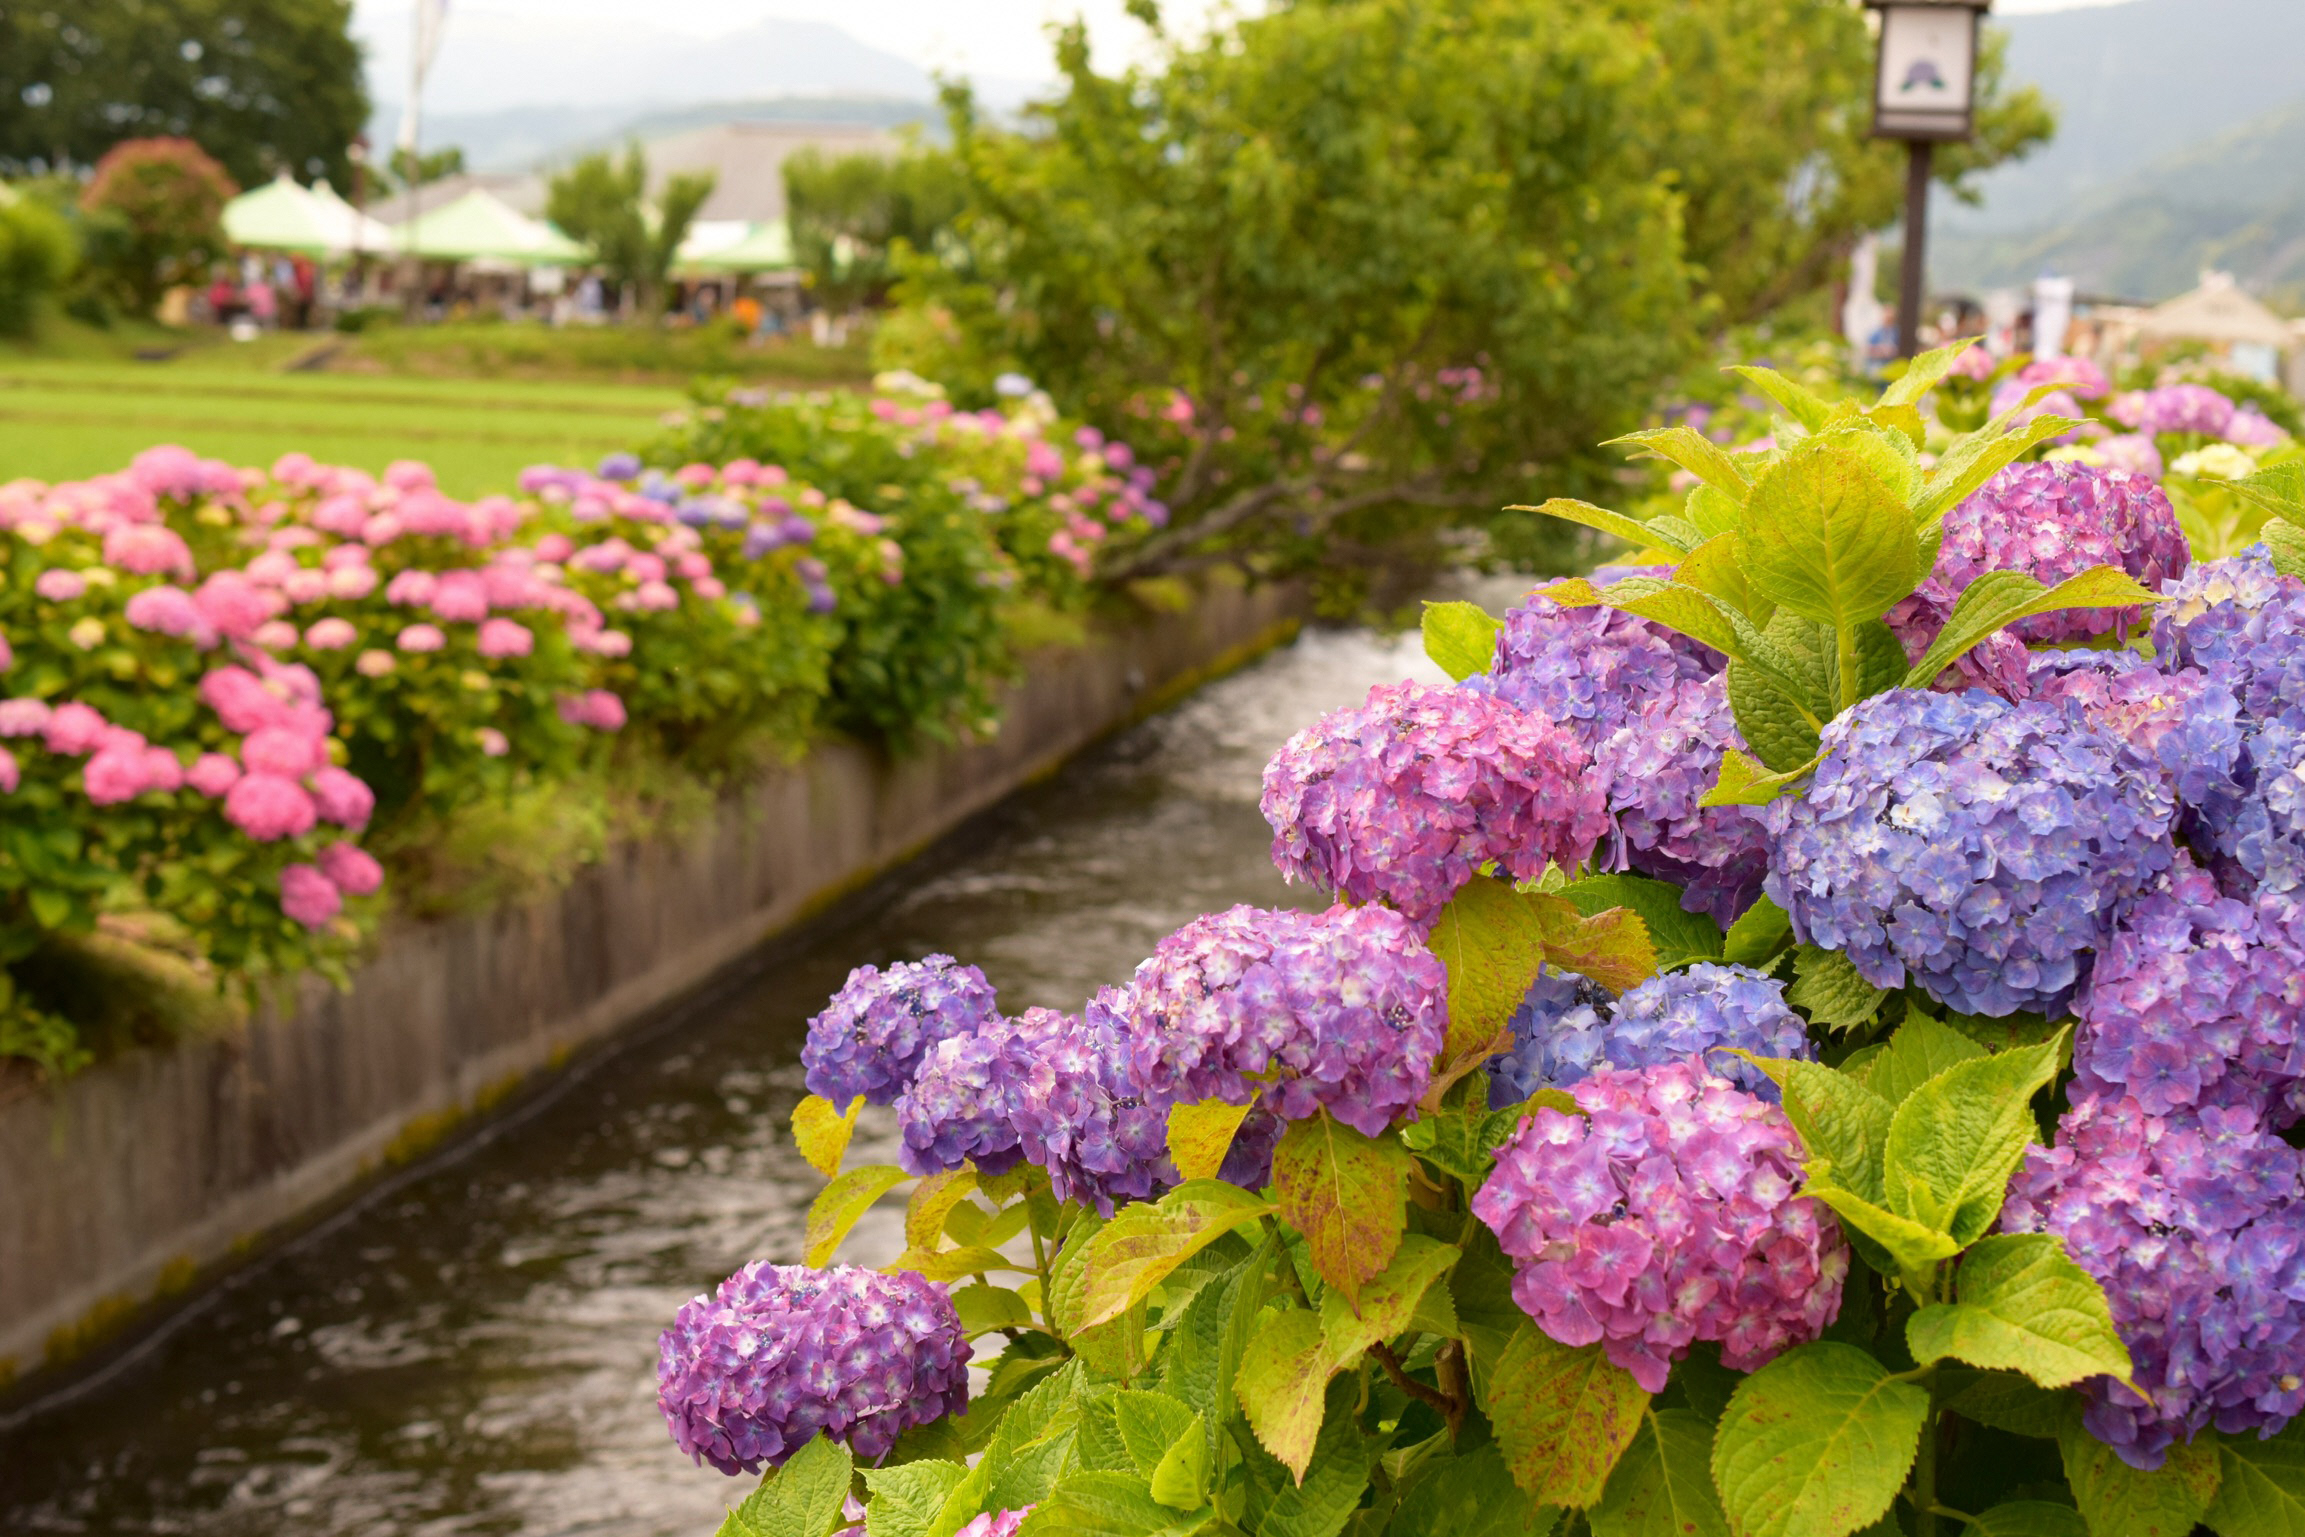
<point x="995" y="37"/>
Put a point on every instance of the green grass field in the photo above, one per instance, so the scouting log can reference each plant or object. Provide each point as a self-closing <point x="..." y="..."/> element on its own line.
<point x="477" y="402"/>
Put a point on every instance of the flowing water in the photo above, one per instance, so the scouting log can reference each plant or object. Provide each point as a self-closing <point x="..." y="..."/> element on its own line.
<point x="471" y="1348"/>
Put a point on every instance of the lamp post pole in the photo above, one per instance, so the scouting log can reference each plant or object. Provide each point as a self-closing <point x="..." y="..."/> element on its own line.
<point x="1924" y="93"/>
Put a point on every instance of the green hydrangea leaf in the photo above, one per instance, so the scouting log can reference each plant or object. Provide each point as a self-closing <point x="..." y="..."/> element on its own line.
<point x="1387" y="1303"/>
<point x="1283" y="1378"/>
<point x="1998" y="599"/>
<point x="1346" y="1194"/>
<point x="1827" y="984"/>
<point x="838" y="1206"/>
<point x="801" y="1499"/>
<point x="1956" y="1140"/>
<point x="1563" y="1416"/>
<point x="1633" y="531"/>
<point x="1841" y="1122"/>
<point x="2117" y="1498"/>
<point x="2004" y="1401"/>
<point x="1745" y="781"/>
<point x="1759" y="933"/>
<point x="1781" y="733"/>
<point x="1826" y="537"/>
<point x="1106" y="1505"/>
<point x="1663" y="1485"/>
<point x="906" y="1500"/>
<point x="1203" y="1354"/>
<point x="1816" y="1443"/>
<point x="822" y="1132"/>
<point x="1694" y="452"/>
<point x="2260" y="1485"/>
<point x="1470" y="1496"/>
<point x="2022" y="1305"/>
<point x="1145" y="1241"/>
<point x="2029" y="1518"/>
<point x="1678" y="936"/>
<point x="1492" y="943"/>
<point x="1920" y="1049"/>
<point x="1461" y="638"/>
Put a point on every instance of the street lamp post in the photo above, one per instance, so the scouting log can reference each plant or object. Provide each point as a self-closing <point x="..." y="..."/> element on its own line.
<point x="1924" y="92"/>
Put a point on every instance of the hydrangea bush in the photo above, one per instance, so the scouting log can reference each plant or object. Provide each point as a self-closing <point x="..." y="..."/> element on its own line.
<point x="1942" y="1180"/>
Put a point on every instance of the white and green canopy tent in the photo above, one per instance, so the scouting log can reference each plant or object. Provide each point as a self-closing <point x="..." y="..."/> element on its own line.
<point x="723" y="246"/>
<point x="310" y="221"/>
<point x="481" y="229"/>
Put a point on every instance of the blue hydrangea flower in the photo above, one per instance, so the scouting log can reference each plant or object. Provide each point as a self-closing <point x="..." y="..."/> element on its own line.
<point x="1559" y="1023"/>
<point x="1080" y="1114"/>
<point x="1563" y="1033"/>
<point x="1973" y="846"/>
<point x="752" y="1373"/>
<point x="2195" y="1226"/>
<point x="2179" y="722"/>
<point x="1652" y="710"/>
<point x="871" y="1037"/>
<point x="1295" y="1012"/>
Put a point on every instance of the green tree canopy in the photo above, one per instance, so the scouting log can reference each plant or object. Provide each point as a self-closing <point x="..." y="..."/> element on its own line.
<point x="847" y="213"/>
<point x="1355" y="268"/>
<point x="155" y="217"/>
<point x="262" y="85"/>
<point x="603" y="203"/>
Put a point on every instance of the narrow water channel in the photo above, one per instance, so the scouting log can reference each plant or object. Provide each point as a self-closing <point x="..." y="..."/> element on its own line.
<point x="472" y="1349"/>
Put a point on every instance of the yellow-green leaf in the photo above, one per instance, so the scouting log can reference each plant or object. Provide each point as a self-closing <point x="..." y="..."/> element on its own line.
<point x="2022" y="1305"/>
<point x="1827" y="538"/>
<point x="2115" y="1497"/>
<point x="1145" y="1242"/>
<point x="1389" y="1302"/>
<point x="1563" y="1415"/>
<point x="1346" y="1194"/>
<point x="838" y="1205"/>
<point x="1956" y="1140"/>
<point x="1283" y="1373"/>
<point x="1200" y="1136"/>
<point x="1461" y="638"/>
<point x="822" y="1132"/>
<point x="952" y="1264"/>
<point x="1492" y="944"/>
<point x="1816" y="1442"/>
<point x="932" y="1202"/>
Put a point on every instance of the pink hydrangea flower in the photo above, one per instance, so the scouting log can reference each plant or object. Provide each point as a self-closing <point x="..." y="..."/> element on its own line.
<point x="73" y="729"/>
<point x="148" y="549"/>
<point x="23" y="717"/>
<point x="411" y="587"/>
<point x="597" y="708"/>
<point x="8" y="772"/>
<point x="343" y="798"/>
<point x="503" y="637"/>
<point x="420" y="638"/>
<point x="114" y="775"/>
<point x="375" y="664"/>
<point x="331" y="634"/>
<point x="493" y="742"/>
<point x="212" y="774"/>
<point x="275" y="635"/>
<point x="308" y="896"/>
<point x="58" y="585"/>
<point x="7" y="654"/>
<point x="351" y="582"/>
<point x="167" y="610"/>
<point x="351" y="868"/>
<point x="306" y="584"/>
<point x="241" y="700"/>
<point x="460" y="597"/>
<point x="281" y="750"/>
<point x="267" y="808"/>
<point x="235" y="605"/>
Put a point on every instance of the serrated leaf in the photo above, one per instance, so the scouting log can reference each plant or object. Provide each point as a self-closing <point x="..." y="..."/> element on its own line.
<point x="803" y="1498"/>
<point x="1881" y="661"/>
<point x="1802" y="404"/>
<point x="1778" y="729"/>
<point x="1345" y="1193"/>
<point x="1839" y="1120"/>
<point x="1613" y="947"/>
<point x="2285" y="542"/>
<point x="1744" y="781"/>
<point x="1151" y="1423"/>
<point x="1106" y="1505"/>
<point x="1925" y="373"/>
<point x="1920" y="1049"/>
<point x="1694" y="452"/>
<point x="1954" y="1143"/>
<point x="1322" y="1502"/>
<point x="1663" y="1485"/>
<point x="932" y="1202"/>
<point x="2117" y="1498"/>
<point x="1481" y="1287"/>
<point x="1816" y="1443"/>
<point x="1968" y="462"/>
<point x="1828" y="985"/>
<point x="1908" y="1246"/>
<point x="1632" y="530"/>
<point x="1492" y="944"/>
<point x="1827" y="538"/>
<point x="1461" y="638"/>
<point x="821" y="1132"/>
<point x="1181" y="1479"/>
<point x="838" y="1206"/>
<point x="2022" y="1305"/>
<point x="1147" y="1240"/>
<point x="1202" y="1358"/>
<point x="951" y="1264"/>
<point x="1388" y="1302"/>
<point x="1284" y="1374"/>
<point x="1456" y="1137"/>
<point x="2279" y="489"/>
<point x="2003" y="1400"/>
<point x="1677" y="936"/>
<point x="1472" y="1495"/>
<point x="1998" y="599"/>
<point x="1563" y="1416"/>
<point x="1711" y="513"/>
<point x="2260" y="1486"/>
<point x="2029" y="1518"/>
<point x="1200" y="1135"/>
<point x="1759" y="932"/>
<point x="984" y="1308"/>
<point x="1712" y="566"/>
<point x="906" y="1500"/>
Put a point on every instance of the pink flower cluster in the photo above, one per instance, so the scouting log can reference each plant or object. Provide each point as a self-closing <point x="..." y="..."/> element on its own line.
<point x="1665" y="1212"/>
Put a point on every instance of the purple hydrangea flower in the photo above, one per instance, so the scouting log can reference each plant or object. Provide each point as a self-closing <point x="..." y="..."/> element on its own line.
<point x="2173" y="408"/>
<point x="1652" y="710"/>
<point x="2195" y="1226"/>
<point x="1080" y="1115"/>
<point x="2198" y="999"/>
<point x="2050" y="521"/>
<point x="871" y="1037"/>
<point x="2178" y="722"/>
<point x="1668" y="1018"/>
<point x="963" y="1104"/>
<point x="1296" y="1012"/>
<point x="1406" y="797"/>
<point x="1666" y="1213"/>
<point x="1005" y="1524"/>
<point x="750" y="1374"/>
<point x="1974" y="846"/>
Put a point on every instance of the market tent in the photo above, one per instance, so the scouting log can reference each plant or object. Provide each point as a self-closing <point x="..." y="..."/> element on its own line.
<point x="735" y="245"/>
<point x="2217" y="311"/>
<point x="480" y="227"/>
<point x="311" y="221"/>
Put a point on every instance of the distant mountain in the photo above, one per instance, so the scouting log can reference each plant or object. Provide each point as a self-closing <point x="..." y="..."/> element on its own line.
<point x="518" y="138"/>
<point x="2236" y="203"/>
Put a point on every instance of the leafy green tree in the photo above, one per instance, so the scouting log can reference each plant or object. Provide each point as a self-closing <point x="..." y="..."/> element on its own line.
<point x="156" y="217"/>
<point x="1357" y="269"/>
<point x="38" y="251"/>
<point x="847" y="213"/>
<point x="1767" y="131"/>
<point x="411" y="169"/>
<point x="602" y="203"/>
<point x="263" y="85"/>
